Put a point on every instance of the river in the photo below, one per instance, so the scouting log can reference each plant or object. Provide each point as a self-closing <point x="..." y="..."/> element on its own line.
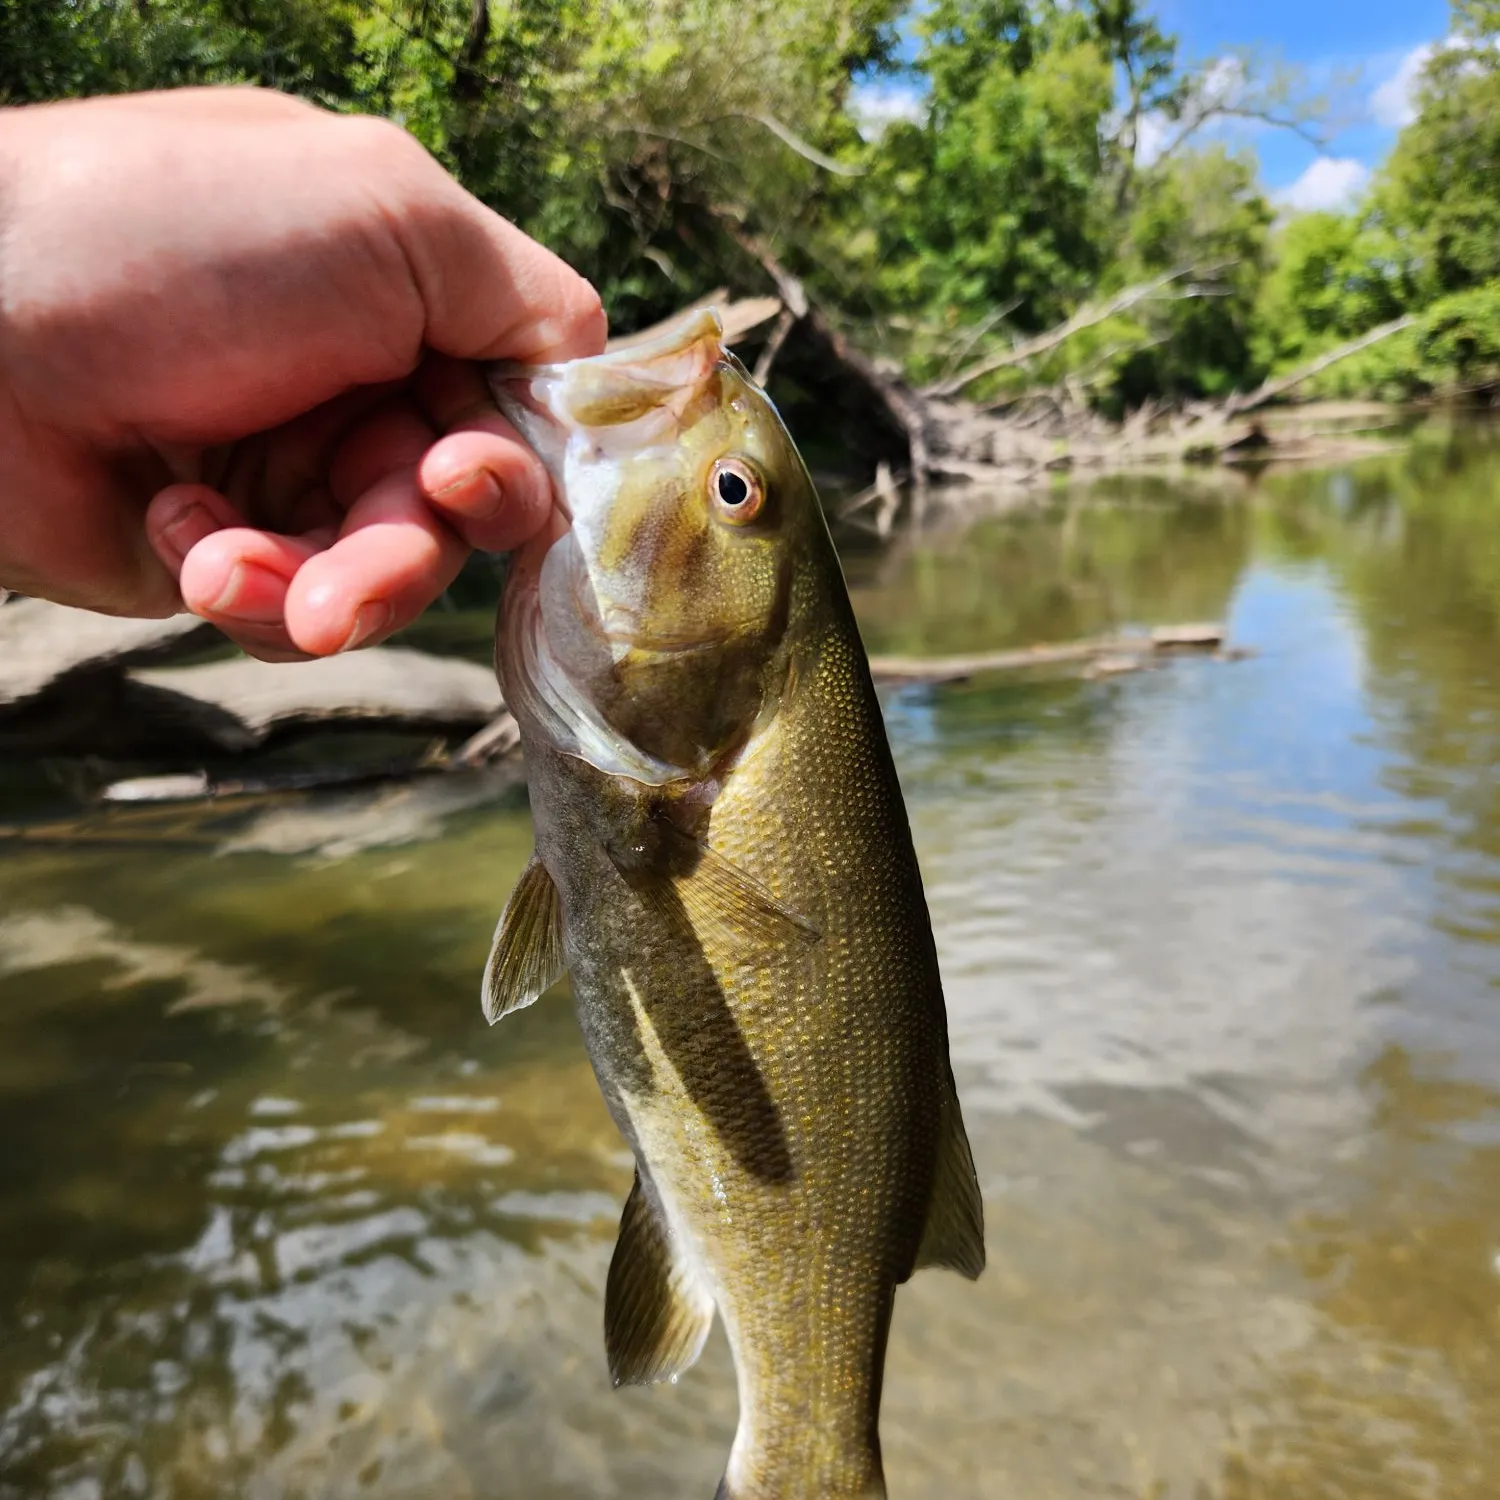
<point x="281" y="1218"/>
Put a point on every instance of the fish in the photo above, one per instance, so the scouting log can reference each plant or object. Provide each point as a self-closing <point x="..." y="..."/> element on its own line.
<point x="725" y="871"/>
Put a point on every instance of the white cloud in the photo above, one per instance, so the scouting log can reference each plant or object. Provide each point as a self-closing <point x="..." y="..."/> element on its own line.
<point x="1224" y="80"/>
<point x="1152" y="132"/>
<point x="1330" y="182"/>
<point x="1394" y="102"/>
<point x="874" y="106"/>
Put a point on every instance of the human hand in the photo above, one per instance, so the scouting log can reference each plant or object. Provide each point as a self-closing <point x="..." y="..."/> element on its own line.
<point x="237" y="337"/>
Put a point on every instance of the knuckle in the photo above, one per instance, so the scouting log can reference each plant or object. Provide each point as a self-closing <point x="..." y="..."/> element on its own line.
<point x="383" y="142"/>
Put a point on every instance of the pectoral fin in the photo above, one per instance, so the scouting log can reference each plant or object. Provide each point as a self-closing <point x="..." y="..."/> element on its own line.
<point x="656" y="1315"/>
<point x="954" y="1232"/>
<point x="527" y="956"/>
<point x="689" y="880"/>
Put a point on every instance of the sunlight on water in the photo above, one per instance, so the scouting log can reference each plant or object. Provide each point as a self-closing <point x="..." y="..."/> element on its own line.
<point x="280" y="1217"/>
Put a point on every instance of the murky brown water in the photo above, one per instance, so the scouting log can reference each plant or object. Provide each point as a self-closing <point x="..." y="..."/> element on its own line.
<point x="280" y="1217"/>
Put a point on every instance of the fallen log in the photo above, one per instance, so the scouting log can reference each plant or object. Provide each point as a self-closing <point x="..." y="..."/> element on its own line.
<point x="1273" y="390"/>
<point x="200" y="786"/>
<point x="932" y="436"/>
<point x="1162" y="641"/>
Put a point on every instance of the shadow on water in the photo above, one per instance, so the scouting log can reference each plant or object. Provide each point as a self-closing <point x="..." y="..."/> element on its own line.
<point x="280" y="1217"/>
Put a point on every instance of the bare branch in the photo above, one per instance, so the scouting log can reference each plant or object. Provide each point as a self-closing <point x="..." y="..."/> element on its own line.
<point x="1284" y="383"/>
<point x="1269" y="117"/>
<point x="1085" y="317"/>
<point x="973" y="335"/>
<point x="789" y="138"/>
<point x="652" y="133"/>
<point x="773" y="345"/>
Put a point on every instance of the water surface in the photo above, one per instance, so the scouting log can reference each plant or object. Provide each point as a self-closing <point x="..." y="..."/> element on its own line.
<point x="280" y="1217"/>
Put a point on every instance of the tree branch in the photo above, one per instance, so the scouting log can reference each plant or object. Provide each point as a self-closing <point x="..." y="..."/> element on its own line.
<point x="789" y="138"/>
<point x="1240" y="112"/>
<point x="1272" y="389"/>
<point x="1085" y="317"/>
<point x="773" y="345"/>
<point x="467" y="83"/>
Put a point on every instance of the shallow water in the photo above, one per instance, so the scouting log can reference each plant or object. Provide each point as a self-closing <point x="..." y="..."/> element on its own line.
<point x="280" y="1217"/>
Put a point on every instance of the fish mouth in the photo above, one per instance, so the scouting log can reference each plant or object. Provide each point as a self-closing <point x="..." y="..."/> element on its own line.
<point x="614" y="404"/>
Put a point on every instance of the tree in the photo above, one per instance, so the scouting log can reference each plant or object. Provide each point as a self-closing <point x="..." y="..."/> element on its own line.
<point x="1438" y="189"/>
<point x="994" y="197"/>
<point x="1204" y="209"/>
<point x="1334" y="277"/>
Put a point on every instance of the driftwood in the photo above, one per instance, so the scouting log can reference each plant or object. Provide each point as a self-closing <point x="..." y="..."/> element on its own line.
<point x="1086" y="317"/>
<point x="1116" y="653"/>
<point x="234" y="707"/>
<point x="200" y="786"/>
<point x="1273" y="390"/>
<point x="1106" y="655"/>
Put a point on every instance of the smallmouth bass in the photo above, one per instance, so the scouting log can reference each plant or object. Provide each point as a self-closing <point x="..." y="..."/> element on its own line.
<point x="724" y="868"/>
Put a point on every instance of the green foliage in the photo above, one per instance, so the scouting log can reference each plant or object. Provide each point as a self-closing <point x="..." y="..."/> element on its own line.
<point x="1334" y="277"/>
<point x="1426" y="241"/>
<point x="1202" y="209"/>
<point x="1460" y="336"/>
<point x="1018" y="193"/>
<point x="652" y="142"/>
<point x="1440" y="184"/>
<point x="994" y="197"/>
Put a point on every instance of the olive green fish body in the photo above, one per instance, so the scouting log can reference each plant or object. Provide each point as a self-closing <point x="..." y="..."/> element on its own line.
<point x="748" y="943"/>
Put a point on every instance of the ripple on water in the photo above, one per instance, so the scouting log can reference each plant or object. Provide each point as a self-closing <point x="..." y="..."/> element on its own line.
<point x="1220" y="947"/>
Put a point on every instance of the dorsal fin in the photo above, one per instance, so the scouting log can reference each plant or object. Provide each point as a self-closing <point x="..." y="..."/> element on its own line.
<point x="954" y="1233"/>
<point x="527" y="955"/>
<point x="656" y="1312"/>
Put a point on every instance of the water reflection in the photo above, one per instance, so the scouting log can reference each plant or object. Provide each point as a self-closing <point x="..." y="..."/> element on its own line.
<point x="279" y="1217"/>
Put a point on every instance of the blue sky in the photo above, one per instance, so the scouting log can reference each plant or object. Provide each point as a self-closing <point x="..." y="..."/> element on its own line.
<point x="1365" y="51"/>
<point x="1363" y="55"/>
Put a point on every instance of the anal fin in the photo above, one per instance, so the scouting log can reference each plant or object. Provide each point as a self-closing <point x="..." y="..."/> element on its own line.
<point x="527" y="955"/>
<point x="656" y="1316"/>
<point x="954" y="1233"/>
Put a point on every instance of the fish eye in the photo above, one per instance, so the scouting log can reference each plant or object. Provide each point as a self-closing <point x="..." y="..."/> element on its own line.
<point x="736" y="491"/>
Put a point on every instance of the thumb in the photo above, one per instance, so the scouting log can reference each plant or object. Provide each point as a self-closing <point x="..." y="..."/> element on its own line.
<point x="489" y="291"/>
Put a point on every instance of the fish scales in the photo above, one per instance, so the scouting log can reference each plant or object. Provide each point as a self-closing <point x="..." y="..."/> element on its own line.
<point x="735" y="895"/>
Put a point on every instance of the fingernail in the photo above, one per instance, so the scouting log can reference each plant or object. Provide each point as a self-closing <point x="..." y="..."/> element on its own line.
<point x="253" y="594"/>
<point x="482" y="494"/>
<point x="369" y="620"/>
<point x="189" y="524"/>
